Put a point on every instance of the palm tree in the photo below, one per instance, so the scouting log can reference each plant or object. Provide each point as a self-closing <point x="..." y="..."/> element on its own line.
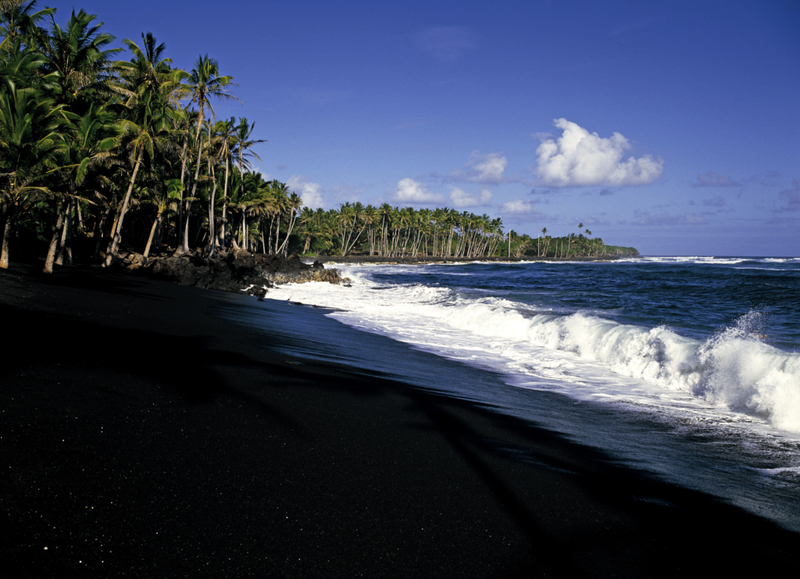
<point x="19" y="22"/>
<point x="370" y="216"/>
<point x="202" y="83"/>
<point x="170" y="191"/>
<point x="150" y="87"/>
<point x="149" y="72"/>
<point x="226" y="136"/>
<point x="293" y="205"/>
<point x="77" y="55"/>
<point x="30" y="140"/>
<point x="547" y="244"/>
<point x="89" y="142"/>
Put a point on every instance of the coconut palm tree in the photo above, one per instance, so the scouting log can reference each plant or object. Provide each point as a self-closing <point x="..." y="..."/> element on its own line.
<point x="203" y="83"/>
<point x="78" y="56"/>
<point x="293" y="205"/>
<point x="89" y="141"/>
<point x="30" y="143"/>
<point x="148" y="125"/>
<point x="150" y="87"/>
<point x="164" y="194"/>
<point x="226" y="134"/>
<point x="18" y="22"/>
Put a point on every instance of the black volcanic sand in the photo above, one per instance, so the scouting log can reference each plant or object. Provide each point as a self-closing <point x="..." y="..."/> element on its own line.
<point x="143" y="436"/>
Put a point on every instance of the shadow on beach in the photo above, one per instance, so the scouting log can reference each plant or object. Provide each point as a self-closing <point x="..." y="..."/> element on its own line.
<point x="144" y="436"/>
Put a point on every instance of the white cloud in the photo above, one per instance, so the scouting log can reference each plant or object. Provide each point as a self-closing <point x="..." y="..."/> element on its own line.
<point x="446" y="43"/>
<point x="578" y="158"/>
<point x="461" y="198"/>
<point x="311" y="193"/>
<point x="409" y="191"/>
<point x="519" y="207"/>
<point x="484" y="168"/>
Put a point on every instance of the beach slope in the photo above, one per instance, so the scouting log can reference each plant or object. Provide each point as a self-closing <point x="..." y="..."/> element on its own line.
<point x="142" y="435"/>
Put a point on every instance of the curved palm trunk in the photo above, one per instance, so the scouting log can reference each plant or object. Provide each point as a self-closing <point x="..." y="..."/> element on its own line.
<point x="112" y="252"/>
<point x="224" y="206"/>
<point x="51" y="250"/>
<point x="153" y="229"/>
<point x="10" y="212"/>
<point x="212" y="236"/>
<point x="194" y="183"/>
<point x="180" y="248"/>
<point x="64" y="246"/>
<point x="285" y="245"/>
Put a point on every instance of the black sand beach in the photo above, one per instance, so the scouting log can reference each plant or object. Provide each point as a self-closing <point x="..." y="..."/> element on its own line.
<point x="144" y="436"/>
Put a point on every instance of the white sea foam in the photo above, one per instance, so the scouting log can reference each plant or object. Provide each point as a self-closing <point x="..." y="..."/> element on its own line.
<point x="581" y="354"/>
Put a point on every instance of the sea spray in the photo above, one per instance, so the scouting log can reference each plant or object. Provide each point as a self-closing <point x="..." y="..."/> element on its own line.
<point x="518" y="334"/>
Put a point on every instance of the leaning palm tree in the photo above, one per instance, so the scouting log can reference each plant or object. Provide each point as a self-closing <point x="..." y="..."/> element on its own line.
<point x="150" y="87"/>
<point x="293" y="205"/>
<point x="150" y="120"/>
<point x="165" y="192"/>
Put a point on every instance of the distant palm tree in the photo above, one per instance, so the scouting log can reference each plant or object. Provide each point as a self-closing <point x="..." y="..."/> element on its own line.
<point x="243" y="150"/>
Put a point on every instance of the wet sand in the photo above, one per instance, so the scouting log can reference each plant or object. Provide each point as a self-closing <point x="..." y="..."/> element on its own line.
<point x="143" y="436"/>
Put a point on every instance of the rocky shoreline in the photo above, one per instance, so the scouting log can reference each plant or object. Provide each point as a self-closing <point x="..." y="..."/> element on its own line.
<point x="235" y="271"/>
<point x="240" y="271"/>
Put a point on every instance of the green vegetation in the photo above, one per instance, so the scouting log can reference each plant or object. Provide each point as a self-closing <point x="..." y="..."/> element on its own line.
<point x="100" y="156"/>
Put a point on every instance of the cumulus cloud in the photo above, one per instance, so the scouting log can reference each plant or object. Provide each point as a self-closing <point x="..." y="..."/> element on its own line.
<point x="461" y="198"/>
<point x="489" y="169"/>
<point x="311" y="193"/>
<point x="712" y="179"/>
<point x="579" y="158"/>
<point x="409" y="191"/>
<point x="446" y="43"/>
<point x="519" y="207"/>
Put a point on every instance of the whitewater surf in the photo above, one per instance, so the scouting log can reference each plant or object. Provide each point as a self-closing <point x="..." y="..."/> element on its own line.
<point x="701" y="351"/>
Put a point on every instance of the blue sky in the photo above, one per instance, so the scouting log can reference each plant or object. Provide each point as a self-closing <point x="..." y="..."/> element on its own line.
<point x="673" y="127"/>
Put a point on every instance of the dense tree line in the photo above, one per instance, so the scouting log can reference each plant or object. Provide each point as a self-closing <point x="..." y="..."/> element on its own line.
<point x="101" y="155"/>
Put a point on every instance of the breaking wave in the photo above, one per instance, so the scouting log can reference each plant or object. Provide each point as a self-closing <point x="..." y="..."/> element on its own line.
<point x="734" y="369"/>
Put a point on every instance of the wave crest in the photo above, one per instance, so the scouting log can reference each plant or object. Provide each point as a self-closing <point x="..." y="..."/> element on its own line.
<point x="733" y="368"/>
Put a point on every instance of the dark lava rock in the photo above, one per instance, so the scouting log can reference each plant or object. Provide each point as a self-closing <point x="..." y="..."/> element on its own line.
<point x="238" y="270"/>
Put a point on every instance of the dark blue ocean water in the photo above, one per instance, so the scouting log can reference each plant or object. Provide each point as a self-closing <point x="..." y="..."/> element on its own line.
<point x="687" y="367"/>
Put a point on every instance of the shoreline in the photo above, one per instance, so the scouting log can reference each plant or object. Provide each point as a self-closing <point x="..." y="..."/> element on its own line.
<point x="367" y="259"/>
<point x="144" y="435"/>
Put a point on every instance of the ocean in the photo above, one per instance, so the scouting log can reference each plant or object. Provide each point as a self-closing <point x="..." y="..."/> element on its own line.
<point x="685" y="367"/>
